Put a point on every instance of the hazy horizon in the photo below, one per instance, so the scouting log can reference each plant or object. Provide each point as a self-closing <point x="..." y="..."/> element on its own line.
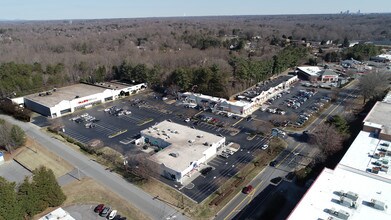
<point x="117" y="9"/>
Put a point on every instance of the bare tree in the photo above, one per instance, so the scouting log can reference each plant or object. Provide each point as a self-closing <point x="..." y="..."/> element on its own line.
<point x="327" y="139"/>
<point x="373" y="84"/>
<point x="140" y="165"/>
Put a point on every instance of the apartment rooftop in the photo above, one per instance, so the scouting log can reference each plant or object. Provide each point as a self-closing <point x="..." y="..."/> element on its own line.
<point x="342" y="194"/>
<point x="187" y="144"/>
<point x="370" y="155"/>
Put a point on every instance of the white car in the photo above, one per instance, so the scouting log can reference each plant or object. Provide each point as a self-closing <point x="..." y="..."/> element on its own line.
<point x="112" y="214"/>
<point x="265" y="146"/>
<point x="187" y="120"/>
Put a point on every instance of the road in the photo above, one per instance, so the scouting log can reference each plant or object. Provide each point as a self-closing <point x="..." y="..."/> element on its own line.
<point x="154" y="209"/>
<point x="295" y="156"/>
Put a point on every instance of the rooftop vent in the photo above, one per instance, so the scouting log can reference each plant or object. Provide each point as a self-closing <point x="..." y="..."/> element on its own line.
<point x="340" y="214"/>
<point x="378" y="204"/>
<point x="351" y="195"/>
<point x="347" y="202"/>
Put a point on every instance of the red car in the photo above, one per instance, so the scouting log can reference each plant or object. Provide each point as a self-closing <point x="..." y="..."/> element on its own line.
<point x="99" y="208"/>
<point x="247" y="189"/>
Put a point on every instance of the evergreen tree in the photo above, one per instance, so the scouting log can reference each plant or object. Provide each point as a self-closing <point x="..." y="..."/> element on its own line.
<point x="28" y="198"/>
<point x="45" y="185"/>
<point x="10" y="207"/>
<point x="18" y="137"/>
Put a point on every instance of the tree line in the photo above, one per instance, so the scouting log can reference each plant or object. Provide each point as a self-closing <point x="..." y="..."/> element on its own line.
<point x="31" y="197"/>
<point x="213" y="79"/>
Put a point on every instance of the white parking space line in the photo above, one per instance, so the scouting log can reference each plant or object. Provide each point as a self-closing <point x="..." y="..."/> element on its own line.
<point x="108" y="126"/>
<point x="75" y="135"/>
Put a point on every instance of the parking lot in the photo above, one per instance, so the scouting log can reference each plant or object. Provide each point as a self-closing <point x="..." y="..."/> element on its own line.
<point x="299" y="101"/>
<point x="119" y="122"/>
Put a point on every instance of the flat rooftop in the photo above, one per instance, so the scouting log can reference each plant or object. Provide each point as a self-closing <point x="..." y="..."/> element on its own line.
<point x="310" y="70"/>
<point x="324" y="194"/>
<point x="379" y="117"/>
<point x="114" y="85"/>
<point x="387" y="99"/>
<point x="366" y="153"/>
<point x="189" y="144"/>
<point x="273" y="83"/>
<point x="65" y="93"/>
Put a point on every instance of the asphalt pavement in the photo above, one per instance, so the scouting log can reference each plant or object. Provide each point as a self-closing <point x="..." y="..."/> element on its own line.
<point x="155" y="209"/>
<point x="297" y="155"/>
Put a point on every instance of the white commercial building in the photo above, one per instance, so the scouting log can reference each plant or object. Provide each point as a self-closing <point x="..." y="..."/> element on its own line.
<point x="314" y="73"/>
<point x="183" y="149"/>
<point x="360" y="186"/>
<point x="343" y="194"/>
<point x="245" y="103"/>
<point x="59" y="101"/>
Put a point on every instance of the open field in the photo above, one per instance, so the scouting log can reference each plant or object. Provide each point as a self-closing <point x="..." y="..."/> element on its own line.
<point x="33" y="156"/>
<point x="87" y="191"/>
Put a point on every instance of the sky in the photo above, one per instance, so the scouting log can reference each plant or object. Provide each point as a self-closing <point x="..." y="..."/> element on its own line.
<point x="96" y="9"/>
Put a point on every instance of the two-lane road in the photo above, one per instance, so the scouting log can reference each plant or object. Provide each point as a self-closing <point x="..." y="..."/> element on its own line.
<point x="293" y="157"/>
<point x="154" y="209"/>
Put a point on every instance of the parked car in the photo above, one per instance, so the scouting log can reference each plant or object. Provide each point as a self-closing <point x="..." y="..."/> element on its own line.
<point x="248" y="189"/>
<point x="99" y="208"/>
<point x="187" y="120"/>
<point x="273" y="163"/>
<point x="265" y="146"/>
<point x="117" y="217"/>
<point x="206" y="170"/>
<point x="224" y="155"/>
<point x="112" y="214"/>
<point x="105" y="211"/>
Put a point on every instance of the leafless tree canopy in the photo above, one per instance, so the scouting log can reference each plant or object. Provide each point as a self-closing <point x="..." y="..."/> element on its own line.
<point x="327" y="139"/>
<point x="374" y="84"/>
<point x="168" y="42"/>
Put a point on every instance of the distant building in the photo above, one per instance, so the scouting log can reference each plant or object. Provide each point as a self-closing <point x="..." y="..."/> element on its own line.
<point x="183" y="149"/>
<point x="350" y="63"/>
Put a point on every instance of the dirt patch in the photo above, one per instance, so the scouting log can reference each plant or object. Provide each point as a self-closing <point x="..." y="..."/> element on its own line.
<point x="88" y="191"/>
<point x="33" y="156"/>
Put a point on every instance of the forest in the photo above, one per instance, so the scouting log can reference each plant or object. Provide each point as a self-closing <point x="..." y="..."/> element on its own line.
<point x="213" y="55"/>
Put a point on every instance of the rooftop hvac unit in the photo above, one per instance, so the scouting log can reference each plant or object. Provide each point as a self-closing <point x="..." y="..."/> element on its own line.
<point x="347" y="202"/>
<point x="351" y="195"/>
<point x="378" y="204"/>
<point x="340" y="214"/>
